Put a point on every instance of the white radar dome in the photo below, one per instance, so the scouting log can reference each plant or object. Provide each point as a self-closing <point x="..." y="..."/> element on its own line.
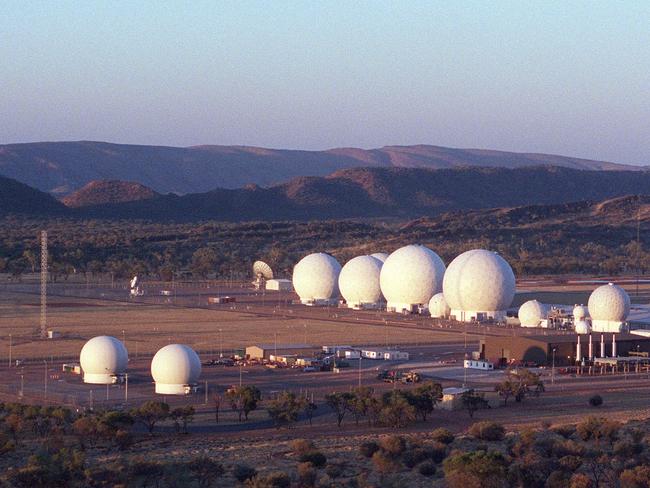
<point x="316" y="277"/>
<point x="359" y="280"/>
<point x="438" y="307"/>
<point x="580" y="312"/>
<point x="531" y="313"/>
<point x="174" y="368"/>
<point x="479" y="281"/>
<point x="382" y="256"/>
<point x="609" y="303"/>
<point x="411" y="276"/>
<point x="102" y="358"/>
<point x="582" y="327"/>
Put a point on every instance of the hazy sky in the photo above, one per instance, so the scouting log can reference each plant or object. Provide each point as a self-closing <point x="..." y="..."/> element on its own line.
<point x="562" y="77"/>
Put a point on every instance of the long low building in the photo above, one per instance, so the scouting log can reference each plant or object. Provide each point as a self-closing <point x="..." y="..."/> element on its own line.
<point x="265" y="351"/>
<point x="539" y="349"/>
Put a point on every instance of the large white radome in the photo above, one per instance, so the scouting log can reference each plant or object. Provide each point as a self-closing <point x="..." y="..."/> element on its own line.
<point x="102" y="358"/>
<point x="411" y="276"/>
<point x="531" y="313"/>
<point x="609" y="303"/>
<point x="479" y="281"/>
<point x="174" y="367"/>
<point x="359" y="281"/>
<point x="316" y="277"/>
<point x="438" y="307"/>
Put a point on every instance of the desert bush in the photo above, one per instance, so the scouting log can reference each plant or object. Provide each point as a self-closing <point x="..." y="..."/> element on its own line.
<point x="301" y="446"/>
<point x="598" y="429"/>
<point x="243" y="472"/>
<point x="476" y="468"/>
<point x="557" y="479"/>
<point x="580" y="480"/>
<point x="568" y="448"/>
<point x="275" y="479"/>
<point x="566" y="430"/>
<point x="427" y="468"/>
<point x="315" y="458"/>
<point x="639" y="477"/>
<point x="334" y="470"/>
<point x="487" y="431"/>
<point x="442" y="435"/>
<point x="368" y="448"/>
<point x="306" y="475"/>
<point x="384" y="463"/>
<point x="123" y="439"/>
<point x="413" y="457"/>
<point x="596" y="401"/>
<point x="393" y="445"/>
<point x="570" y="463"/>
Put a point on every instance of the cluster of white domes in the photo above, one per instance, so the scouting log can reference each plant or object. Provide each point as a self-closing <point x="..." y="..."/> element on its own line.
<point x="479" y="283"/>
<point x="609" y="306"/>
<point x="174" y="368"/>
<point x="316" y="277"/>
<point x="411" y="276"/>
<point x="531" y="313"/>
<point x="103" y="359"/>
<point x="359" y="281"/>
<point x="438" y="307"/>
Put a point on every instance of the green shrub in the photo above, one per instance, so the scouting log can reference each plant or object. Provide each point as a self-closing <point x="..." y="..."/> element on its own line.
<point x="243" y="472"/>
<point x="442" y="435"/>
<point x="275" y="479"/>
<point x="487" y="431"/>
<point x="413" y="457"/>
<point x="301" y="446"/>
<point x="368" y="448"/>
<point x="566" y="430"/>
<point x="596" y="401"/>
<point x="316" y="458"/>
<point x="334" y="470"/>
<point x="393" y="445"/>
<point x="427" y="468"/>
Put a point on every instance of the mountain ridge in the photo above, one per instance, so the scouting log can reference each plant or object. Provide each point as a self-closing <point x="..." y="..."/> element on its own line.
<point x="64" y="167"/>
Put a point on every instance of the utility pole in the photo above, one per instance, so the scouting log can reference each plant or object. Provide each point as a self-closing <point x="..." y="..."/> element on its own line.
<point x="220" y="343"/>
<point x="359" y="370"/>
<point x="206" y="392"/>
<point x="10" y="344"/>
<point x="43" y="284"/>
<point x="45" y="378"/>
<point x="126" y="388"/>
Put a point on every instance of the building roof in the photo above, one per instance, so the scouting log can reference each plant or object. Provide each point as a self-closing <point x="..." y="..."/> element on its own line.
<point x="283" y="346"/>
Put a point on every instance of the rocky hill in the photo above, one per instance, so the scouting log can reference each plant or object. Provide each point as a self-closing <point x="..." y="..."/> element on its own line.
<point x="387" y="193"/>
<point x="64" y="167"/>
<point x="106" y="192"/>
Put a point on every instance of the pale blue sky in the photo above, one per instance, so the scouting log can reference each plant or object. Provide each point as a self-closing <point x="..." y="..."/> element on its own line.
<point x="562" y="77"/>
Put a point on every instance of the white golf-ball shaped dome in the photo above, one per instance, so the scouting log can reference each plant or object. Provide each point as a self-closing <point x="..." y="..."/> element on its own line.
<point x="316" y="277"/>
<point x="101" y="358"/>
<point x="609" y="303"/>
<point x="582" y="327"/>
<point x="438" y="307"/>
<point x="175" y="364"/>
<point x="411" y="275"/>
<point x="382" y="256"/>
<point x="580" y="312"/>
<point x="479" y="280"/>
<point x="359" y="280"/>
<point x="531" y="313"/>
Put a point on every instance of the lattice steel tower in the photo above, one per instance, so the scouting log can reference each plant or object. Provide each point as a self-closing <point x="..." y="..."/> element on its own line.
<point x="43" y="284"/>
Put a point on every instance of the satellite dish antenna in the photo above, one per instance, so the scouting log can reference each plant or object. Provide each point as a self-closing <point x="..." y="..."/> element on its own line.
<point x="134" y="282"/>
<point x="262" y="272"/>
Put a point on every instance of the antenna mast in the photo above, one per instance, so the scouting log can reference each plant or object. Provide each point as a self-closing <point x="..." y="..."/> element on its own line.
<point x="43" y="284"/>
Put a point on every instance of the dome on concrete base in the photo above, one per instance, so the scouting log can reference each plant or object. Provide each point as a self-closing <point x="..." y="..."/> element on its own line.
<point x="103" y="358"/>
<point x="174" y="368"/>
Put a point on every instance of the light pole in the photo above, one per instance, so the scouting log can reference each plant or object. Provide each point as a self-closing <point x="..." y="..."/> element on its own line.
<point x="126" y="388"/>
<point x="220" y="343"/>
<point x="10" y="344"/>
<point x="553" y="368"/>
<point x="359" y="370"/>
<point x="22" y="382"/>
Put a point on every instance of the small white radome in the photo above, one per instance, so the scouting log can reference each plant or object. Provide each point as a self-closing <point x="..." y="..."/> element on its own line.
<point x="174" y="367"/>
<point x="102" y="358"/>
<point x="531" y="313"/>
<point x="438" y="307"/>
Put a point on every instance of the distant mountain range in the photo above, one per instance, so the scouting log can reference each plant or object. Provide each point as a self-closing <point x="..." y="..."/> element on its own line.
<point x="403" y="193"/>
<point x="64" y="167"/>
